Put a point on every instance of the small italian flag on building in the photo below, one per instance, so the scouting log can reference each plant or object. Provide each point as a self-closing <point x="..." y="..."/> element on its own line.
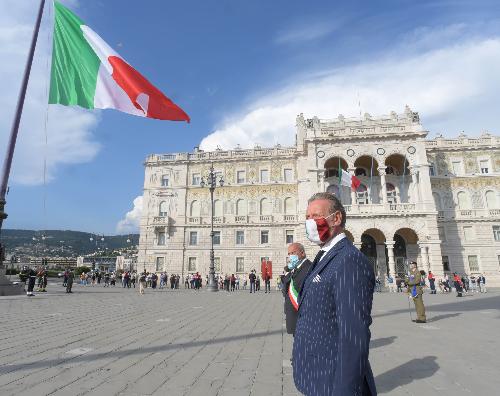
<point x="293" y="294"/>
<point x="348" y="180"/>
<point x="87" y="72"/>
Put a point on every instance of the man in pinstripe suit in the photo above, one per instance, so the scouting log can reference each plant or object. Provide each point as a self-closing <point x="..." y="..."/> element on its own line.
<point x="332" y="338"/>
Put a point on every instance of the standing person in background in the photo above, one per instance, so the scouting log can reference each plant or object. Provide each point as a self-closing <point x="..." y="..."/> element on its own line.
<point x="432" y="282"/>
<point x="298" y="267"/>
<point x="142" y="282"/>
<point x="267" y="283"/>
<point x="332" y="337"/>
<point x="69" y="282"/>
<point x="414" y="283"/>
<point x="252" y="278"/>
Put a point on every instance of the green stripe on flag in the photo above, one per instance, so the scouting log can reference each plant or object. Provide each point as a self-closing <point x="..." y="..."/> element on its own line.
<point x="75" y="65"/>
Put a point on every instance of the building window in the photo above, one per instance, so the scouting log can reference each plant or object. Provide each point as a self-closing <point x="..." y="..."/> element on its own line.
<point x="195" y="209"/>
<point x="288" y="175"/>
<point x="442" y="235"/>
<point x="193" y="238"/>
<point x="264" y="237"/>
<point x="240" y="177"/>
<point x="446" y="264"/>
<point x="195" y="180"/>
<point x="391" y="193"/>
<point x="473" y="264"/>
<point x="217" y="264"/>
<point x="496" y="233"/>
<point x="456" y="166"/>
<point x="289" y="236"/>
<point x="491" y="199"/>
<point x="264" y="176"/>
<point x="160" y="262"/>
<point x="240" y="264"/>
<point x="463" y="200"/>
<point x="484" y="165"/>
<point x="468" y="233"/>
<point x="216" y="237"/>
<point x="163" y="209"/>
<point x="432" y="169"/>
<point x="289" y="204"/>
<point x="266" y="207"/>
<point x="192" y="264"/>
<point x="161" y="238"/>
<point x="240" y="237"/>
<point x="164" y="181"/>
<point x="241" y="207"/>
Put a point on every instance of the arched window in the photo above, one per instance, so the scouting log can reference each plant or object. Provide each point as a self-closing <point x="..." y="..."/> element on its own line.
<point x="334" y="189"/>
<point x="241" y="207"/>
<point x="491" y="199"/>
<point x="391" y="193"/>
<point x="362" y="195"/>
<point x="360" y="172"/>
<point x="218" y="208"/>
<point x="437" y="201"/>
<point x="195" y="209"/>
<point x="289" y="206"/>
<point x="332" y="172"/>
<point x="163" y="209"/>
<point x="164" y="181"/>
<point x="463" y="200"/>
<point x="265" y="207"/>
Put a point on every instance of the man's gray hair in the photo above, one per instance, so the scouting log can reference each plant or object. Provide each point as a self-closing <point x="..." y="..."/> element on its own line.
<point x="335" y="204"/>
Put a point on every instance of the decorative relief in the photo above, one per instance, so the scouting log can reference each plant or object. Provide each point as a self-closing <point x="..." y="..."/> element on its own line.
<point x="477" y="200"/>
<point x="276" y="170"/>
<point x="229" y="173"/>
<point x="231" y="192"/>
<point x="252" y="173"/>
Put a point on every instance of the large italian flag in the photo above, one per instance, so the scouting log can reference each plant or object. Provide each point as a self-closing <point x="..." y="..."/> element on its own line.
<point x="348" y="180"/>
<point x="87" y="72"/>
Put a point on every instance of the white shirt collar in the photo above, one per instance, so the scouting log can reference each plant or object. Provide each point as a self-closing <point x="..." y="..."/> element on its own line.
<point x="331" y="243"/>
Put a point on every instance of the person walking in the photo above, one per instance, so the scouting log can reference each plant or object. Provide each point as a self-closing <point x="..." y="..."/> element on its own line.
<point x="332" y="337"/>
<point x="415" y="290"/>
<point x="298" y="267"/>
<point x="390" y="283"/>
<point x="457" y="282"/>
<point x="481" y="281"/>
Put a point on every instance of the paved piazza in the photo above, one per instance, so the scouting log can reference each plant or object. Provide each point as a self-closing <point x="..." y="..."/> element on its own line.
<point x="116" y="342"/>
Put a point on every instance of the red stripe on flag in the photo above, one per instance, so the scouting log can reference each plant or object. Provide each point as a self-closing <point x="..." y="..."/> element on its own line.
<point x="135" y="84"/>
<point x="355" y="182"/>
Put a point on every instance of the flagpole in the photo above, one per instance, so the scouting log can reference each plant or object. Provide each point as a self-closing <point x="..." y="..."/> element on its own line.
<point x="15" y="125"/>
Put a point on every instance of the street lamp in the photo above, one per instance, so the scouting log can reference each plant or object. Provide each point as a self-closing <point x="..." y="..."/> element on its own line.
<point x="212" y="184"/>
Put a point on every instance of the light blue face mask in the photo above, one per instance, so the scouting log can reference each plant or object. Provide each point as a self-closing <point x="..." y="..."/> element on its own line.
<point x="293" y="261"/>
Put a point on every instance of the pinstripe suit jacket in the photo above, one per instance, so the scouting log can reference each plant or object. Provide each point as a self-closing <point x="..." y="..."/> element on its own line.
<point x="332" y="338"/>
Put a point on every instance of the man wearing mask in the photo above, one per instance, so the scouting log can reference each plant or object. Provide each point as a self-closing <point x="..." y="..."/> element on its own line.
<point x="298" y="266"/>
<point x="332" y="338"/>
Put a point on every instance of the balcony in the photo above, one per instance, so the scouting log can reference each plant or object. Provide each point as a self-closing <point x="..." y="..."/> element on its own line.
<point x="461" y="214"/>
<point x="160" y="221"/>
<point x="241" y="219"/>
<point x="289" y="218"/>
<point x="265" y="218"/>
<point x="219" y="220"/>
<point x="194" y="220"/>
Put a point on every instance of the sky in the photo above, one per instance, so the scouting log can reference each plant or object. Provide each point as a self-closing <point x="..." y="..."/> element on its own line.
<point x="242" y="70"/>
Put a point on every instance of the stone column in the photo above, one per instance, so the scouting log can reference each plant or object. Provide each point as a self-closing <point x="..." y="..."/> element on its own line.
<point x="392" y="263"/>
<point x="424" y="254"/>
<point x="353" y="193"/>
<point x="322" y="181"/>
<point x="415" y="193"/>
<point x="381" y="171"/>
<point x="357" y="244"/>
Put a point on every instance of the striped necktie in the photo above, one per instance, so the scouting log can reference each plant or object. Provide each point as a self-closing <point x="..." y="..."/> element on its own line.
<point x="317" y="258"/>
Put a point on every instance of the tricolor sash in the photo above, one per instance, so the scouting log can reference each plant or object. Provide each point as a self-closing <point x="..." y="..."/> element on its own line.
<point x="294" y="295"/>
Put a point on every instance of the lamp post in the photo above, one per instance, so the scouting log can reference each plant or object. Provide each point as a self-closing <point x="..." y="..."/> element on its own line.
<point x="212" y="184"/>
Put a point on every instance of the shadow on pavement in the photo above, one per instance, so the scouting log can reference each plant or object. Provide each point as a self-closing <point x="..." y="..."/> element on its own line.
<point x="127" y="352"/>
<point x="492" y="302"/>
<point x="444" y="316"/>
<point x="380" y="342"/>
<point x="408" y="372"/>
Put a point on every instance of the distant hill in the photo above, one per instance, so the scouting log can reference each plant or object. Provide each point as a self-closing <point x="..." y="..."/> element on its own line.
<point x="62" y="242"/>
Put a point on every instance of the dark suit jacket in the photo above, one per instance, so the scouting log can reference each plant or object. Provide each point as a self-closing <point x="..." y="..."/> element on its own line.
<point x="298" y="275"/>
<point x="332" y="338"/>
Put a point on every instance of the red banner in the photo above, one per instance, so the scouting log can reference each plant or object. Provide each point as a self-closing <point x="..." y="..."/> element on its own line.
<point x="266" y="269"/>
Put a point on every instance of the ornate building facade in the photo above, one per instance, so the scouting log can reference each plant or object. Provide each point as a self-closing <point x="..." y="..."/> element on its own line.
<point x="432" y="201"/>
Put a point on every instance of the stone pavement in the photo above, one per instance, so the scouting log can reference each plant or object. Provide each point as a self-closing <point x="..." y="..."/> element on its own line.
<point x="115" y="342"/>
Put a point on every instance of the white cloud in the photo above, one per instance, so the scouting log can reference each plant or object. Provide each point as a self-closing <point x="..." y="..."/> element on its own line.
<point x="306" y="32"/>
<point x="454" y="88"/>
<point x="130" y="224"/>
<point x="69" y="134"/>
